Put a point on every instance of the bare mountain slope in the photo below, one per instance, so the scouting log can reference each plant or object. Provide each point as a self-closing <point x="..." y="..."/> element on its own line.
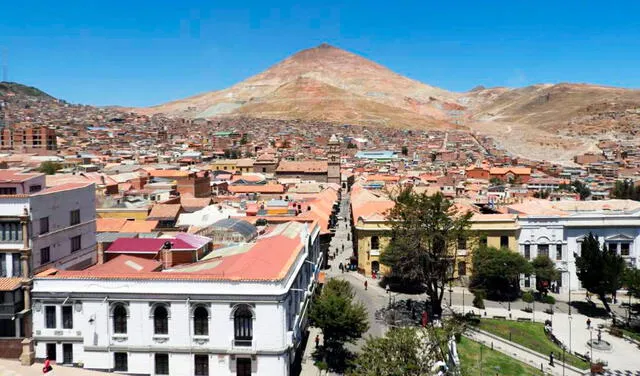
<point x="380" y="92"/>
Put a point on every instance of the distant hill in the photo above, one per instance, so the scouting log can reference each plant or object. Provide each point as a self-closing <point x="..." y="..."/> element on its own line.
<point x="14" y="88"/>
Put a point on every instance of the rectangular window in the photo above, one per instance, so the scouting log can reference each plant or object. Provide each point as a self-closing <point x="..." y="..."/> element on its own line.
<point x="504" y="242"/>
<point x="462" y="242"/>
<point x="527" y="251"/>
<point x="612" y="247"/>
<point x="50" y="317"/>
<point x="67" y="317"/>
<point x="483" y="240"/>
<point x="527" y="281"/>
<point x="120" y="361"/>
<point x="3" y="264"/>
<point x="44" y="255"/>
<point x="35" y="188"/>
<point x="201" y="363"/>
<point x="76" y="243"/>
<point x="162" y="364"/>
<point x="74" y="217"/>
<point x="543" y="250"/>
<point x="624" y="249"/>
<point x="8" y="191"/>
<point x="558" y="251"/>
<point x="17" y="267"/>
<point x="44" y="225"/>
<point x="462" y="268"/>
<point x="243" y="367"/>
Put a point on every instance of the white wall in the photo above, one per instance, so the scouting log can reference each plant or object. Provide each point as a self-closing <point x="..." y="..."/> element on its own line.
<point x="57" y="206"/>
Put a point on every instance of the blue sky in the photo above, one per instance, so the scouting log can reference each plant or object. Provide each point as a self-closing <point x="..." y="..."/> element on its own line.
<point x="139" y="53"/>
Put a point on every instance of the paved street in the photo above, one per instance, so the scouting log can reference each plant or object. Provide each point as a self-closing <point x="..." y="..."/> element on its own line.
<point x="13" y="368"/>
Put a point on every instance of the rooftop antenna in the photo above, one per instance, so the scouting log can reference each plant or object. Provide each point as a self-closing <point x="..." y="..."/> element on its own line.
<point x="5" y="66"/>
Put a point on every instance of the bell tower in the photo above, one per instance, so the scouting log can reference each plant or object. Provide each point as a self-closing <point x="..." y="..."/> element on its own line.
<point x="333" y="156"/>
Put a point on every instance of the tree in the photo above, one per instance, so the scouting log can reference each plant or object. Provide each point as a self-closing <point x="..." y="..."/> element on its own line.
<point x="49" y="167"/>
<point x="402" y="351"/>
<point x="244" y="139"/>
<point x="405" y="150"/>
<point x="425" y="231"/>
<point x="599" y="269"/>
<point x="581" y="188"/>
<point x="625" y="189"/>
<point x="497" y="271"/>
<point x="632" y="281"/>
<point x="351" y="145"/>
<point x="495" y="181"/>
<point x="544" y="193"/>
<point x="340" y="319"/>
<point x="545" y="270"/>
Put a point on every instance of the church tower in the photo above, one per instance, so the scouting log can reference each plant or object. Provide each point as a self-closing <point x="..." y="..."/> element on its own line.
<point x="333" y="155"/>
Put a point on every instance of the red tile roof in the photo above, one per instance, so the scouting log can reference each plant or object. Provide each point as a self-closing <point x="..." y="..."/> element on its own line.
<point x="10" y="284"/>
<point x="146" y="245"/>
<point x="266" y="188"/>
<point x="16" y="176"/>
<point x="164" y="211"/>
<point x="303" y="166"/>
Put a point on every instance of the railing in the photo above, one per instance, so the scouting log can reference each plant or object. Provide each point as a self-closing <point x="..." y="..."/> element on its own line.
<point x="11" y="308"/>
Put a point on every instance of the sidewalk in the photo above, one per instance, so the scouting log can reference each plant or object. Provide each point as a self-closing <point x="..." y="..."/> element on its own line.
<point x="13" y="368"/>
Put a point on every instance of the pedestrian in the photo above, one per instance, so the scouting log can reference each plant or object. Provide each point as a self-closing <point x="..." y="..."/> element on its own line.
<point x="47" y="366"/>
<point x="341" y="267"/>
<point x="317" y="340"/>
<point x="599" y="335"/>
<point x="343" y="248"/>
<point x="551" y="359"/>
<point x="366" y="285"/>
<point x="387" y="288"/>
<point x="588" y="323"/>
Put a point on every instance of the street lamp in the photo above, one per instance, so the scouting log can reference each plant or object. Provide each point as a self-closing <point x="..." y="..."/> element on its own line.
<point x="570" y="333"/>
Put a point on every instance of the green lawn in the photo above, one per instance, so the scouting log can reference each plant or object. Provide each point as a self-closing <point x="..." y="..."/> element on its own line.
<point x="530" y="335"/>
<point x="493" y="362"/>
<point x="631" y="334"/>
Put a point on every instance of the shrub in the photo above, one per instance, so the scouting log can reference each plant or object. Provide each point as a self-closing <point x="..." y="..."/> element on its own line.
<point x="527" y="297"/>
<point x="478" y="300"/>
<point x="616" y="332"/>
<point x="548" y="299"/>
<point x="527" y="309"/>
<point x="548" y="311"/>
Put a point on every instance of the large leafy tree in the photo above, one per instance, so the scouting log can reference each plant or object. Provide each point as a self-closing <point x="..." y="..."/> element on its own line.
<point x="497" y="271"/>
<point x="341" y="320"/>
<point x="425" y="231"/>
<point x="600" y="270"/>
<point x="402" y="351"/>
<point x="545" y="270"/>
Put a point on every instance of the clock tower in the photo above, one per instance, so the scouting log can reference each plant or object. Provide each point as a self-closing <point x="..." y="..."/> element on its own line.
<point x="333" y="156"/>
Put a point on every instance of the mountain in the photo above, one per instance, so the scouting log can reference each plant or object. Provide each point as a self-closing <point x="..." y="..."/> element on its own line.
<point x="325" y="83"/>
<point x="554" y="122"/>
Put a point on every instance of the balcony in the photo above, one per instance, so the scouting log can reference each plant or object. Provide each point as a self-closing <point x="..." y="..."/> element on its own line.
<point x="10" y="309"/>
<point x="374" y="252"/>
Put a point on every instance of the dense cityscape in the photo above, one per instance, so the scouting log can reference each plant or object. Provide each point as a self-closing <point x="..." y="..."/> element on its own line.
<point x="215" y="189"/>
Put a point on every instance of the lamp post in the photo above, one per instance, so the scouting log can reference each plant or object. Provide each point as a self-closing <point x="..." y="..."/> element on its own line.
<point x="463" y="301"/>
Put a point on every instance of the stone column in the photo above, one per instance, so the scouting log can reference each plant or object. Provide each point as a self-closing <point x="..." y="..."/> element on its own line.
<point x="26" y="250"/>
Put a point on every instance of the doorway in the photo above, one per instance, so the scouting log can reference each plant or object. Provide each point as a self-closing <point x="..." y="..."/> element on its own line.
<point x="51" y="351"/>
<point x="67" y="353"/>
<point x="375" y="266"/>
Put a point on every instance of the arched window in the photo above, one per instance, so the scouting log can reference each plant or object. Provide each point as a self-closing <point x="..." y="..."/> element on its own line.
<point x="120" y="319"/>
<point x="201" y="321"/>
<point x="375" y="242"/>
<point x="243" y="326"/>
<point x="160" y="320"/>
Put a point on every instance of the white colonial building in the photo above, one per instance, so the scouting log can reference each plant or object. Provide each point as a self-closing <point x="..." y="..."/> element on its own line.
<point x="40" y="227"/>
<point x="239" y="310"/>
<point x="557" y="228"/>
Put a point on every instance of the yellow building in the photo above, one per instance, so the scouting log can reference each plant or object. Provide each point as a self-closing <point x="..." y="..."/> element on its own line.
<point x="492" y="230"/>
<point x="127" y="213"/>
<point x="224" y="165"/>
<point x="370" y="228"/>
